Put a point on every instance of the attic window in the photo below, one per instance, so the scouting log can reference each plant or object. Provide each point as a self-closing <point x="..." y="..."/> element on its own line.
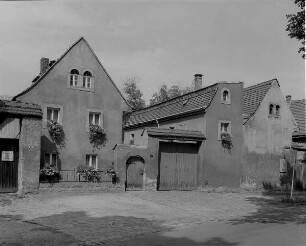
<point x="74" y="77"/>
<point x="271" y="106"/>
<point x="277" y="109"/>
<point x="82" y="82"/>
<point x="87" y="78"/>
<point x="225" y="96"/>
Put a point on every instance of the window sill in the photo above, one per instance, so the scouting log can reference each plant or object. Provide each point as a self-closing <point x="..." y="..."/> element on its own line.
<point x="227" y="103"/>
<point x="81" y="88"/>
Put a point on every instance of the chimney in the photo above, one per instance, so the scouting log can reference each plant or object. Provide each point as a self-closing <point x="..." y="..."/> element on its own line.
<point x="198" y="81"/>
<point x="44" y="65"/>
<point x="288" y="99"/>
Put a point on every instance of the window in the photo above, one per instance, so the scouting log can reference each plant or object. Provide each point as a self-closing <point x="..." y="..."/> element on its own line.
<point x="74" y="74"/>
<point x="271" y="109"/>
<point x="50" y="159"/>
<point x="53" y="114"/>
<point x="277" y="110"/>
<point x="225" y="96"/>
<point x="87" y="80"/>
<point x="132" y="138"/>
<point x="224" y="127"/>
<point x="92" y="161"/>
<point x="94" y="118"/>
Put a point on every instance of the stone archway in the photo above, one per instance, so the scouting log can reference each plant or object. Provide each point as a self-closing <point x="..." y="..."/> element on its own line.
<point x="135" y="173"/>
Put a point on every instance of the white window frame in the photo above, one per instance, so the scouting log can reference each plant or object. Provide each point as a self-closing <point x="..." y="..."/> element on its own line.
<point x="52" y="113"/>
<point x="229" y="127"/>
<point x="229" y="96"/>
<point x="273" y="109"/>
<point x="277" y="115"/>
<point x="94" y="111"/>
<point x="45" y="107"/>
<point x="78" y="82"/>
<point x="51" y="156"/>
<point x="90" y="160"/>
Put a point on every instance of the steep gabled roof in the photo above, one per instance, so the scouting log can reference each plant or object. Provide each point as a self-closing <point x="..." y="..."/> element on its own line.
<point x="253" y="96"/>
<point x="20" y="108"/>
<point x="59" y="59"/>
<point x="189" y="103"/>
<point x="176" y="134"/>
<point x="298" y="110"/>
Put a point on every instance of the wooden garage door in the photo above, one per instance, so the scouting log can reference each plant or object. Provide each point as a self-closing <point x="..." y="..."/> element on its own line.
<point x="8" y="165"/>
<point x="178" y="166"/>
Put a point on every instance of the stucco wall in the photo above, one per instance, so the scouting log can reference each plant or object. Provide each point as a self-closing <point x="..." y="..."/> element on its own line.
<point x="29" y="155"/>
<point x="265" y="137"/>
<point x="222" y="168"/>
<point x="53" y="90"/>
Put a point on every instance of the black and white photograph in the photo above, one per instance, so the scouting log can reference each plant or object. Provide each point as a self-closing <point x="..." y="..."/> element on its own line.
<point x="152" y="123"/>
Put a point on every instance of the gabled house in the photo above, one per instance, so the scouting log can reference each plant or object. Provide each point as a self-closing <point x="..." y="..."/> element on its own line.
<point x="268" y="125"/>
<point x="76" y="91"/>
<point x="177" y="144"/>
<point x="298" y="110"/>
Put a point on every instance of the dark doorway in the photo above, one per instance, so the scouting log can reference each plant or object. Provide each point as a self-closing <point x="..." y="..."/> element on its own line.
<point x="9" y="155"/>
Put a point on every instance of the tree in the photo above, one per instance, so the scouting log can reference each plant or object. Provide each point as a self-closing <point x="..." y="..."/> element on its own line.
<point x="296" y="25"/>
<point x="164" y="94"/>
<point x="132" y="93"/>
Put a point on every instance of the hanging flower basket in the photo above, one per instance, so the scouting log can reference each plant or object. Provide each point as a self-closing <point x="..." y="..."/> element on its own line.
<point x="56" y="133"/>
<point x="226" y="141"/>
<point x="50" y="174"/>
<point x="97" y="136"/>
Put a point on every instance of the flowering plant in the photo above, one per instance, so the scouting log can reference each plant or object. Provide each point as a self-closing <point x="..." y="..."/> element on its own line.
<point x="89" y="173"/>
<point x="50" y="173"/>
<point x="56" y="133"/>
<point x="97" y="136"/>
<point x="226" y="141"/>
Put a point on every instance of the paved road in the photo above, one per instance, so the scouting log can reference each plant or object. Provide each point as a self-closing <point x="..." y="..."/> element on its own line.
<point x="105" y="218"/>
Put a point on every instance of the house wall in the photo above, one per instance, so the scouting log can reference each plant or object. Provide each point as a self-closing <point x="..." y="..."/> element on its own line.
<point x="264" y="139"/>
<point x="219" y="167"/>
<point x="75" y="103"/>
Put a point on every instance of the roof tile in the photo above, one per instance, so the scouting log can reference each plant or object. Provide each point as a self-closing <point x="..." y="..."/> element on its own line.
<point x="20" y="108"/>
<point x="298" y="110"/>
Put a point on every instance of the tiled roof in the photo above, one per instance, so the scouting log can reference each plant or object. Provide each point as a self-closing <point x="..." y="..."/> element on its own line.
<point x="192" y="102"/>
<point x="299" y="146"/>
<point x="38" y="78"/>
<point x="253" y="95"/>
<point x="20" y="108"/>
<point x="298" y="110"/>
<point x="172" y="134"/>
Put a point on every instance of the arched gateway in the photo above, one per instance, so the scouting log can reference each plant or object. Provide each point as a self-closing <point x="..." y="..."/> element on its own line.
<point x="135" y="172"/>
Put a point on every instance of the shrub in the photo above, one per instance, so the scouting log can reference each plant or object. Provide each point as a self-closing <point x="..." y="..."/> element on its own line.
<point x="56" y="133"/>
<point x="49" y="173"/>
<point x="97" y="136"/>
<point x="89" y="173"/>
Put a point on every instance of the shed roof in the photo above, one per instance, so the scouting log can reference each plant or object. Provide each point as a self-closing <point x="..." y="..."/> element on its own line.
<point x="298" y="110"/>
<point x="20" y="108"/>
<point x="176" y="134"/>
<point x="253" y="96"/>
<point x="189" y="103"/>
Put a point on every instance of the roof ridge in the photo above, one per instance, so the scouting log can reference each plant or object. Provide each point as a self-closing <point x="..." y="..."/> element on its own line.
<point x="261" y="83"/>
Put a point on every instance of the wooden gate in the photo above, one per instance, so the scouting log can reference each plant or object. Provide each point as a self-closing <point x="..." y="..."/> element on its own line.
<point x="9" y="155"/>
<point x="134" y="173"/>
<point x="178" y="164"/>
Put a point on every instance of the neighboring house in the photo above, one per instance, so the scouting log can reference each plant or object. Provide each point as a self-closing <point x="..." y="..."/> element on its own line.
<point x="177" y="144"/>
<point x="20" y="133"/>
<point x="267" y="128"/>
<point x="76" y="91"/>
<point x="298" y="110"/>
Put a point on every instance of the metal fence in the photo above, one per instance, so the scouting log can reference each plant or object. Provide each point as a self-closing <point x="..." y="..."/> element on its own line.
<point x="73" y="176"/>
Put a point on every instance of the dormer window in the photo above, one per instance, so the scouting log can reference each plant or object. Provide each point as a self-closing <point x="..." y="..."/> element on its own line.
<point x="87" y="78"/>
<point x="225" y="96"/>
<point x="74" y="74"/>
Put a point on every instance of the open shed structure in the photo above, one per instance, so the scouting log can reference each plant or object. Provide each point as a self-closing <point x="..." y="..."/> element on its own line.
<point x="20" y="136"/>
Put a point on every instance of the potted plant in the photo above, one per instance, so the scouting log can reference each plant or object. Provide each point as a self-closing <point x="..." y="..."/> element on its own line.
<point x="97" y="136"/>
<point x="56" y="133"/>
<point x="226" y="141"/>
<point x="90" y="174"/>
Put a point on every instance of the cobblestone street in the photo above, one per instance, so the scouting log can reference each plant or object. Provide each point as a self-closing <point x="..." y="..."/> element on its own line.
<point x="102" y="218"/>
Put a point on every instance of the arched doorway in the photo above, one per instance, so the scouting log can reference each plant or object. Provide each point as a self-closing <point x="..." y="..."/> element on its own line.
<point x="135" y="173"/>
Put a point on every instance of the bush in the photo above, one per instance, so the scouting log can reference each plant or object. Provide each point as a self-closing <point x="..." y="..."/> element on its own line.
<point x="97" y="136"/>
<point x="49" y="173"/>
<point x="56" y="133"/>
<point x="89" y="173"/>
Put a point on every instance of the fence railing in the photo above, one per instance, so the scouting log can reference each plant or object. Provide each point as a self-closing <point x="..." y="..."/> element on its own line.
<point x="73" y="176"/>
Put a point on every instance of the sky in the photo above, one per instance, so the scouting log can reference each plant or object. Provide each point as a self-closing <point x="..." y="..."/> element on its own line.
<point x="160" y="42"/>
